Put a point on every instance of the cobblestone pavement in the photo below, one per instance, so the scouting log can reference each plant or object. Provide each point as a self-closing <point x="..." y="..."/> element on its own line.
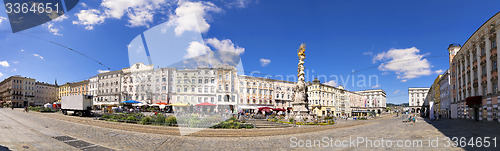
<point x="120" y="136"/>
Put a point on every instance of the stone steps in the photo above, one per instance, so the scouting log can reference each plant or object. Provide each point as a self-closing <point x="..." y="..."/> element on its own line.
<point x="260" y="123"/>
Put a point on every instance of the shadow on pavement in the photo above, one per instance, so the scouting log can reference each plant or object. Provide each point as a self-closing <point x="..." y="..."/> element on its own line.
<point x="456" y="129"/>
<point x="3" y="148"/>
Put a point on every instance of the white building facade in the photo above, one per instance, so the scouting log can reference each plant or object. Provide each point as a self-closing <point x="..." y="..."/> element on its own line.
<point x="416" y="98"/>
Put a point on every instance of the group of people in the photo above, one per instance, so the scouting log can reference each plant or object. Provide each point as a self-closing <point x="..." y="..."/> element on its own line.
<point x="413" y="118"/>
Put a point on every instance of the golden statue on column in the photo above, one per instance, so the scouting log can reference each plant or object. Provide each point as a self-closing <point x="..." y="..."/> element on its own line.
<point x="299" y="104"/>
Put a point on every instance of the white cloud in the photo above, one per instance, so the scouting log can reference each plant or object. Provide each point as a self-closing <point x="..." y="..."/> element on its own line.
<point x="1" y="74"/>
<point x="239" y="3"/>
<point x="15" y="62"/>
<point x="4" y="64"/>
<point x="406" y="63"/>
<point x="102" y="71"/>
<point x="396" y="92"/>
<point x="139" y="12"/>
<point x="264" y="62"/>
<point x="22" y="50"/>
<point x="83" y="5"/>
<point x="52" y="29"/>
<point x="375" y="86"/>
<point x="225" y="45"/>
<point x="37" y="55"/>
<point x="1" y="19"/>
<point x="14" y="70"/>
<point x="331" y="83"/>
<point x="191" y="16"/>
<point x="439" y="71"/>
<point x="89" y="18"/>
<point x="196" y="48"/>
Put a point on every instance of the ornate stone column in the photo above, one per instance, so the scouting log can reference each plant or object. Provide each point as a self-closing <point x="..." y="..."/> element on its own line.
<point x="471" y="61"/>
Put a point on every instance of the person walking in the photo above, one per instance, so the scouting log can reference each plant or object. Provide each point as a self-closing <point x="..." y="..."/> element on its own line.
<point x="414" y="119"/>
<point x="26" y="109"/>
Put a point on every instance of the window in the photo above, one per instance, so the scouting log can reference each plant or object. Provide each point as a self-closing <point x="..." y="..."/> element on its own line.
<point x="493" y="43"/>
<point x="495" y="87"/>
<point x="484" y="91"/>
<point x="483" y="69"/>
<point x="494" y="65"/>
<point x="483" y="52"/>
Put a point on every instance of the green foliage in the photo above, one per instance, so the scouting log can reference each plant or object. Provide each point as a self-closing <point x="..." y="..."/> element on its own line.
<point x="232" y="123"/>
<point x="40" y="109"/>
<point x="160" y="118"/>
<point x="146" y="120"/>
<point x="171" y="120"/>
<point x="131" y="118"/>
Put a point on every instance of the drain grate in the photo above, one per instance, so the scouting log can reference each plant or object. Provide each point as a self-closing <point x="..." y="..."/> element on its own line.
<point x="64" y="138"/>
<point x="86" y="146"/>
<point x="79" y="144"/>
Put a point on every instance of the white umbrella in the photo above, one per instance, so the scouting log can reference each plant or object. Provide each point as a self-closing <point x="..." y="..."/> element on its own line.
<point x="139" y="104"/>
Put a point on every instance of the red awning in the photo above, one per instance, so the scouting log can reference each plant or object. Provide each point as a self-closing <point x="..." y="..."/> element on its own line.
<point x="473" y="100"/>
<point x="278" y="109"/>
<point x="205" y="104"/>
<point x="161" y="103"/>
<point x="265" y="108"/>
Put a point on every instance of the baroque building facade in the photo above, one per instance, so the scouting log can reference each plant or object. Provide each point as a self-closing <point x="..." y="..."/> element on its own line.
<point x="474" y="73"/>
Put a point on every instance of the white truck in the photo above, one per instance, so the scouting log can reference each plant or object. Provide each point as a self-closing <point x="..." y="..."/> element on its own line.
<point x="80" y="105"/>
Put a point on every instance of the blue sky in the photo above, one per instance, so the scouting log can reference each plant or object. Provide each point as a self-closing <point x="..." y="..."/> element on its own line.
<point x="341" y="37"/>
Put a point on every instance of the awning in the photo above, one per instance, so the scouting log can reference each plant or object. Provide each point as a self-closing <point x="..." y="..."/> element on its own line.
<point x="179" y="104"/>
<point x="131" y="101"/>
<point x="278" y="109"/>
<point x="205" y="104"/>
<point x="265" y="108"/>
<point x="473" y="101"/>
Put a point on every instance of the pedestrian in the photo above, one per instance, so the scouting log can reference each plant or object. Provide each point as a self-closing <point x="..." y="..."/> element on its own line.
<point x="414" y="119"/>
<point x="12" y="107"/>
<point x="26" y="109"/>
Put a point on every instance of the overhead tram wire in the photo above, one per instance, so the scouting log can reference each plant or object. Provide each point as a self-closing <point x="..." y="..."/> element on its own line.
<point x="67" y="48"/>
